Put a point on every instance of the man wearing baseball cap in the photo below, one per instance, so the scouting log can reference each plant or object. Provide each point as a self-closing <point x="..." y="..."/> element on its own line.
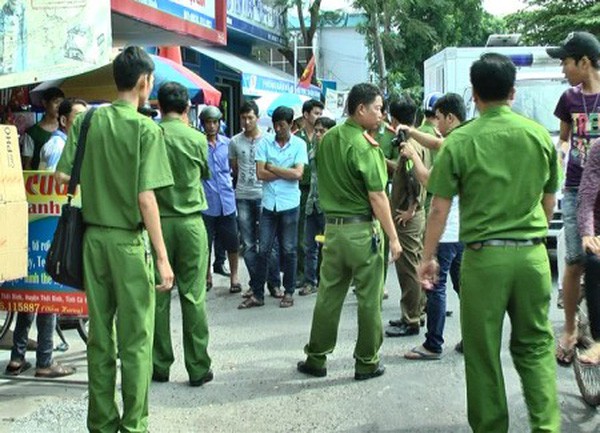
<point x="577" y="109"/>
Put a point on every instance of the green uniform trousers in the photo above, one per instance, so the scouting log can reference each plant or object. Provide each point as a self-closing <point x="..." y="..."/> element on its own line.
<point x="187" y="248"/>
<point x="348" y="253"/>
<point x="119" y="284"/>
<point x="412" y="302"/>
<point x="517" y="281"/>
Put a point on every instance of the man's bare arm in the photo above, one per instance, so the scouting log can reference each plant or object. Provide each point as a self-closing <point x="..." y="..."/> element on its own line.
<point x="381" y="208"/>
<point x="424" y="139"/>
<point x="151" y="217"/>
<point x="548" y="203"/>
<point x="294" y="173"/>
<point x="263" y="174"/>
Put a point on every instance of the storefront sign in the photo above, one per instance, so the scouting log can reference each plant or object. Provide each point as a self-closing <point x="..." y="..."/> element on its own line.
<point x="44" y="40"/>
<point x="258" y="18"/>
<point x="201" y="12"/>
<point x="201" y="19"/>
<point x="38" y="292"/>
<point x="257" y="85"/>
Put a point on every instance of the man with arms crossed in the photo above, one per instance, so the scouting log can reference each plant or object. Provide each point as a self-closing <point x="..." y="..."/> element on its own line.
<point x="125" y="161"/>
<point x="248" y="195"/>
<point x="504" y="169"/>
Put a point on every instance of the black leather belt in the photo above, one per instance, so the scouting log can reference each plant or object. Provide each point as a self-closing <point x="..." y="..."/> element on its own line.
<point x="505" y="243"/>
<point x="349" y="219"/>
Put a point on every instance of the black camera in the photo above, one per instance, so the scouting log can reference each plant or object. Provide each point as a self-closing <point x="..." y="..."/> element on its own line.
<point x="399" y="139"/>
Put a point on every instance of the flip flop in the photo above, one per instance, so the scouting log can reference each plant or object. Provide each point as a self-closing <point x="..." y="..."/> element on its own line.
<point x="422" y="354"/>
<point x="565" y="354"/>
<point x="15" y="370"/>
<point x="235" y="288"/>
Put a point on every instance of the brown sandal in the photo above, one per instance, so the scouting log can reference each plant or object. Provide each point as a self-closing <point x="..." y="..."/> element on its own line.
<point x="235" y="288"/>
<point x="251" y="302"/>
<point x="14" y="368"/>
<point x="287" y="301"/>
<point x="54" y="371"/>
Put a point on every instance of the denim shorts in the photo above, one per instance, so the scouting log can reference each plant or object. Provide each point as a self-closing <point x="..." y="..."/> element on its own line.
<point x="574" y="250"/>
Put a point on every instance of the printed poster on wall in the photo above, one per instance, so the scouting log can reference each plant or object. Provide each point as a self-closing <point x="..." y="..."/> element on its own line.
<point x="38" y="292"/>
<point x="44" y="40"/>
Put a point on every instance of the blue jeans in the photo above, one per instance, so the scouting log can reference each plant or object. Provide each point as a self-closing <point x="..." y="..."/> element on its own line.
<point x="574" y="252"/>
<point x="249" y="212"/>
<point x="279" y="226"/>
<point x="45" y="343"/>
<point x="449" y="257"/>
<point x="314" y="224"/>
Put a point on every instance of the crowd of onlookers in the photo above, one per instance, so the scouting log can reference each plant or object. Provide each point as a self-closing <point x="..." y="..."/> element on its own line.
<point x="160" y="198"/>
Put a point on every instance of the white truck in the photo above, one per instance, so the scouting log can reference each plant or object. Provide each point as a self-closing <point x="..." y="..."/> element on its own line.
<point x="539" y="84"/>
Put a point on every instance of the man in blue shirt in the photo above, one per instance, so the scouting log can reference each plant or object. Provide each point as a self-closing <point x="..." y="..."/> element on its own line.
<point x="220" y="218"/>
<point x="280" y="165"/>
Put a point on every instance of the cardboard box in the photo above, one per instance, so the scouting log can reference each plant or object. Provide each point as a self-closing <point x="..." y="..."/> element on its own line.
<point x="13" y="240"/>
<point x="14" y="218"/>
<point x="11" y="174"/>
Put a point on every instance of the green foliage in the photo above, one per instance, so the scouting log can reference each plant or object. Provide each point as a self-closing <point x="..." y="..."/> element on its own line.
<point x="544" y="22"/>
<point x="414" y="30"/>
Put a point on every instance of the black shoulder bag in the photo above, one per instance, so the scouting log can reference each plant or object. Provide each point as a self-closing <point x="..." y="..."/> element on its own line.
<point x="64" y="261"/>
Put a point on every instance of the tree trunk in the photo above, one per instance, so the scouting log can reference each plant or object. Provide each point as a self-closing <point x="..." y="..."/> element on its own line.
<point x="378" y="48"/>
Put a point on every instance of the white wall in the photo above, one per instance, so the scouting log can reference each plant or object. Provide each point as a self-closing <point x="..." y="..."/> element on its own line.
<point x="343" y="57"/>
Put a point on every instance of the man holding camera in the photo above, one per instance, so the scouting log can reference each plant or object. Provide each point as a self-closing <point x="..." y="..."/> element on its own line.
<point x="408" y="201"/>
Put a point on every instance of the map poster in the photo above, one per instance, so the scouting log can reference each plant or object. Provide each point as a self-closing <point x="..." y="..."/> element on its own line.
<point x="38" y="293"/>
<point x="43" y="40"/>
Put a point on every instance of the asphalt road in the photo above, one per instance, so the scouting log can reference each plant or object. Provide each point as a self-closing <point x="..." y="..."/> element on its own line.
<point x="257" y="388"/>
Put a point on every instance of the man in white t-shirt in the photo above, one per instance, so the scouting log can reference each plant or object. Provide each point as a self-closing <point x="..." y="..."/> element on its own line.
<point x="450" y="112"/>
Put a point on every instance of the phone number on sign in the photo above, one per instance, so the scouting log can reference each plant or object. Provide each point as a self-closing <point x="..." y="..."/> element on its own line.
<point x="21" y="307"/>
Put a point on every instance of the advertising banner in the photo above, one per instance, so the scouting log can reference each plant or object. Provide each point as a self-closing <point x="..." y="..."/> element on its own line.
<point x="201" y="12"/>
<point x="259" y="18"/>
<point x="38" y="292"/>
<point x="256" y="85"/>
<point x="44" y="40"/>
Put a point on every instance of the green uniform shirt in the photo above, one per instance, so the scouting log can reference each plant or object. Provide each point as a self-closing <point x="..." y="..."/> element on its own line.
<point x="428" y="128"/>
<point x="187" y="152"/>
<point x="499" y="165"/>
<point x="124" y="155"/>
<point x="305" y="181"/>
<point x="348" y="168"/>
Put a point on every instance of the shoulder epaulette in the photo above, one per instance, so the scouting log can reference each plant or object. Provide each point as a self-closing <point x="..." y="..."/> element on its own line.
<point x="370" y="139"/>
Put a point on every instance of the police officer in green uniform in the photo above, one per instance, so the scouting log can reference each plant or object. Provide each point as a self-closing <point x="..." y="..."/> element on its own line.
<point x="352" y="179"/>
<point x="504" y="168"/>
<point x="185" y="238"/>
<point x="311" y="111"/>
<point x="125" y="161"/>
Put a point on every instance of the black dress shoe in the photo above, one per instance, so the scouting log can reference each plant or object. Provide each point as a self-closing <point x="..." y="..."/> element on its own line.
<point x="400" y="322"/>
<point x="220" y="269"/>
<point x="402" y="330"/>
<point x="365" y="376"/>
<point x="204" y="379"/>
<point x="157" y="377"/>
<point x="303" y="367"/>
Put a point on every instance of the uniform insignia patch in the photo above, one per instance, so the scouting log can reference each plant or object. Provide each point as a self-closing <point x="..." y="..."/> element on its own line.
<point x="370" y="139"/>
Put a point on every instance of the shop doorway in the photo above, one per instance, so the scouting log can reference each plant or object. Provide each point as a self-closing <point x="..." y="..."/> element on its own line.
<point x="230" y="105"/>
